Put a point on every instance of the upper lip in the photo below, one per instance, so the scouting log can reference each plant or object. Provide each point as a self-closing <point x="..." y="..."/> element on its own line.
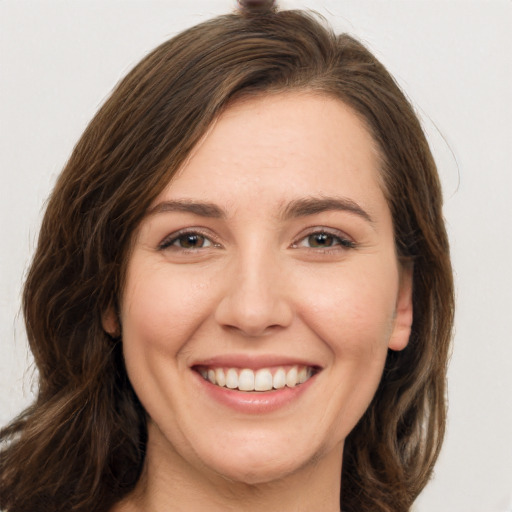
<point x="252" y="362"/>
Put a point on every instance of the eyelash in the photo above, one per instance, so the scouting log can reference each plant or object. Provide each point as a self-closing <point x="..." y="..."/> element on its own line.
<point x="339" y="242"/>
<point x="172" y="240"/>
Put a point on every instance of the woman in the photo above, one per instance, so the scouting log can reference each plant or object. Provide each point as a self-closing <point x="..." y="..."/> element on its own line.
<point x="242" y="292"/>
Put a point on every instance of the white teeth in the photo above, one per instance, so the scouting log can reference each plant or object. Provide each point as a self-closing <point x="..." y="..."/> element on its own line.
<point x="220" y="377"/>
<point x="291" y="377"/>
<point x="303" y="375"/>
<point x="246" y="380"/>
<point x="261" y="380"/>
<point x="279" y="379"/>
<point x="232" y="379"/>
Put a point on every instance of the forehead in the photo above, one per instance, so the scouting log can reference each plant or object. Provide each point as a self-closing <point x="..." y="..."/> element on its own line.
<point x="282" y="146"/>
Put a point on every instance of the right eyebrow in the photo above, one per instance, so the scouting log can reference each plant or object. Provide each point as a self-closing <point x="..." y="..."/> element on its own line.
<point x="200" y="208"/>
<point x="312" y="205"/>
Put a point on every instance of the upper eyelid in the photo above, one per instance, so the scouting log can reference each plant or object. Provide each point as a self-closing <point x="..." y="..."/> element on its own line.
<point x="345" y="242"/>
<point x="324" y="229"/>
<point x="172" y="237"/>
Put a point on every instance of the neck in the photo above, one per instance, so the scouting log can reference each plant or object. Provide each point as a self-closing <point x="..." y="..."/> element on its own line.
<point x="168" y="479"/>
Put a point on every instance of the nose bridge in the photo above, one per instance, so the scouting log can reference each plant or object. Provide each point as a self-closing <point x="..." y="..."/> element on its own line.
<point x="255" y="298"/>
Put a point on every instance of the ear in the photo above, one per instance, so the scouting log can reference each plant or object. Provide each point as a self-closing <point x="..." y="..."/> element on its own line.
<point x="404" y="310"/>
<point x="110" y="322"/>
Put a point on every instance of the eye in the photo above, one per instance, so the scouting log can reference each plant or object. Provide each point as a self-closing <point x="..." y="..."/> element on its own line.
<point x="189" y="240"/>
<point x="325" y="240"/>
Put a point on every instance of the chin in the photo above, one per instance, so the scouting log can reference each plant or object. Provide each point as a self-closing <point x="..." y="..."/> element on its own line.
<point x="264" y="462"/>
<point x="260" y="470"/>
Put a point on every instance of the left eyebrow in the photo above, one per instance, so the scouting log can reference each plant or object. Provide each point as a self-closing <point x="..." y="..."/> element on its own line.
<point x="200" y="208"/>
<point x="313" y="205"/>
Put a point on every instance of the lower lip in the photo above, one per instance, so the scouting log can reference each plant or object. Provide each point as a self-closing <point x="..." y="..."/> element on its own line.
<point x="253" y="402"/>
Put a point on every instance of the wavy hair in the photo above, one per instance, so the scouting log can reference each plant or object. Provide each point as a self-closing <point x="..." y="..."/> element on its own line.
<point x="81" y="445"/>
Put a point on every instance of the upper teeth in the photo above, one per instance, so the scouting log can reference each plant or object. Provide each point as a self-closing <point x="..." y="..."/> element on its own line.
<point x="263" y="379"/>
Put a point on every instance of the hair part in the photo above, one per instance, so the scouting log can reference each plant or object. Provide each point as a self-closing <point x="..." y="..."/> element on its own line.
<point x="81" y="445"/>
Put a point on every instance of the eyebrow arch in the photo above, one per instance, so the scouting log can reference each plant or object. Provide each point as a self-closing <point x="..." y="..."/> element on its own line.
<point x="313" y="205"/>
<point x="202" y="209"/>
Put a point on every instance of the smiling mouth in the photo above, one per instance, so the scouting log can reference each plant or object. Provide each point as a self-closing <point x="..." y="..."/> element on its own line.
<point x="264" y="379"/>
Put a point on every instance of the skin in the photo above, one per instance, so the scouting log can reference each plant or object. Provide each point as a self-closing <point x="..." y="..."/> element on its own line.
<point x="261" y="285"/>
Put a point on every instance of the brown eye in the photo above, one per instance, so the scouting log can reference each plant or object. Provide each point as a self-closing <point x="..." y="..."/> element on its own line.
<point x="186" y="241"/>
<point x="321" y="240"/>
<point x="325" y="240"/>
<point x="191" y="241"/>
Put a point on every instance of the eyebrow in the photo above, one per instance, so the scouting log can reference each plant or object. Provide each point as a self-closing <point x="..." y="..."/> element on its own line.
<point x="302" y="207"/>
<point x="313" y="205"/>
<point x="203" y="209"/>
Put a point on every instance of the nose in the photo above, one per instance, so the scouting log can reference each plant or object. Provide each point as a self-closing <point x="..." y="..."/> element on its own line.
<point x="256" y="299"/>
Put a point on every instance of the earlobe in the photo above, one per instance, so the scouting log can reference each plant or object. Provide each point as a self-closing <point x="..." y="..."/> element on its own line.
<point x="110" y="323"/>
<point x="404" y="310"/>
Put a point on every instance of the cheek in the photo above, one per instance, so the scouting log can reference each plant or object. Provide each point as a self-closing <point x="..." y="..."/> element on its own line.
<point x="160" y="313"/>
<point x="353" y="318"/>
<point x="354" y="313"/>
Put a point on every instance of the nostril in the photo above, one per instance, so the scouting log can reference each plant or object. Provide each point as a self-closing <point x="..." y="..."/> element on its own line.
<point x="253" y="330"/>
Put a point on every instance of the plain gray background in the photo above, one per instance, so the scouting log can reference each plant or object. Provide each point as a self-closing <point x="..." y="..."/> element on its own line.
<point x="60" y="59"/>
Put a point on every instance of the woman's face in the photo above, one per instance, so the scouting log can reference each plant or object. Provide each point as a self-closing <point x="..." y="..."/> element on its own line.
<point x="268" y="263"/>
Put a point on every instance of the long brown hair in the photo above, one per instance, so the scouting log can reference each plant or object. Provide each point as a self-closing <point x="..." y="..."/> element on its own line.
<point x="81" y="445"/>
